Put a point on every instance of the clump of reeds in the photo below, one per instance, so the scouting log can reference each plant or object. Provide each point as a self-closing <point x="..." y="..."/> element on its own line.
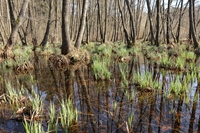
<point x="100" y="69"/>
<point x="145" y="82"/>
<point x="29" y="108"/>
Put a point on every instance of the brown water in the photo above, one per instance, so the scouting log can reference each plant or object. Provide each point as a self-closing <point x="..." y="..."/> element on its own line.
<point x="106" y="106"/>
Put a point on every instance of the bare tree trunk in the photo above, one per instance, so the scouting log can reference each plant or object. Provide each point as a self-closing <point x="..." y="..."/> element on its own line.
<point x="150" y="21"/>
<point x="66" y="42"/>
<point x="179" y="23"/>
<point x="82" y="24"/>
<point x="168" y="19"/>
<point x="105" y="26"/>
<point x="157" y="22"/>
<point x="124" y="28"/>
<point x="192" y="29"/>
<point x="13" y="36"/>
<point x="99" y="20"/>
<point x="133" y="39"/>
<point x="46" y="35"/>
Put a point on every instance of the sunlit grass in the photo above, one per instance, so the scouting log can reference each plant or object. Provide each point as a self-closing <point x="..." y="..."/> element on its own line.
<point x="100" y="69"/>
<point x="68" y="115"/>
<point x="33" y="127"/>
<point x="146" y="81"/>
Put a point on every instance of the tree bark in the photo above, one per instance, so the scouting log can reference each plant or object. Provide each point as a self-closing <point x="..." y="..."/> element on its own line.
<point x="13" y="36"/>
<point x="99" y="20"/>
<point x="133" y="39"/>
<point x="192" y="29"/>
<point x="157" y="22"/>
<point x="150" y="21"/>
<point x="66" y="42"/>
<point x="82" y="24"/>
<point x="168" y="19"/>
<point x="105" y="26"/>
<point x="124" y="28"/>
<point x="46" y="35"/>
<point x="179" y="22"/>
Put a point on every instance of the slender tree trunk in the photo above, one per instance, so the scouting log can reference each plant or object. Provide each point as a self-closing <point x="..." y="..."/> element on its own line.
<point x="105" y="26"/>
<point x="66" y="42"/>
<point x="179" y="22"/>
<point x="132" y="25"/>
<point x="150" y="21"/>
<point x="168" y="19"/>
<point x="46" y="35"/>
<point x="157" y="22"/>
<point x="13" y="36"/>
<point x="124" y="28"/>
<point x="99" y="20"/>
<point x="82" y="24"/>
<point x="192" y="29"/>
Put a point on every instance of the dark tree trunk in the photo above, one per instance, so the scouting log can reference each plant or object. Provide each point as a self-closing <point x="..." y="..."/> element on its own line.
<point x="99" y="20"/>
<point x="191" y="18"/>
<point x="124" y="28"/>
<point x="13" y="36"/>
<point x="168" y="19"/>
<point x="157" y="22"/>
<point x="66" y="43"/>
<point x="179" y="22"/>
<point x="105" y="26"/>
<point x="133" y="39"/>
<point x="150" y="21"/>
<point x="46" y="35"/>
<point x="82" y="24"/>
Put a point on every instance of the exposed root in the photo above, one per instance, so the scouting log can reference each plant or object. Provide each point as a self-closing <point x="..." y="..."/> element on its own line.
<point x="60" y="62"/>
<point x="24" y="68"/>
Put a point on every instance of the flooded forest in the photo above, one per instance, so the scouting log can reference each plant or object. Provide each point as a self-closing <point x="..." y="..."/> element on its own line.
<point x="99" y="66"/>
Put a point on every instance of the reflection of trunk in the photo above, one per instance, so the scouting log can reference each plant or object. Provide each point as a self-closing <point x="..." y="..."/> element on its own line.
<point x="194" y="107"/>
<point x="80" y="76"/>
<point x="150" y="114"/>
<point x="177" y="123"/>
<point x="46" y="35"/>
<point x="161" y="105"/>
<point x="69" y="83"/>
<point x="120" y="116"/>
<point x="52" y="73"/>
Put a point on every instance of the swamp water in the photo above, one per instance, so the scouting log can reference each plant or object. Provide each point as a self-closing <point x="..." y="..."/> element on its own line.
<point x="110" y="106"/>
